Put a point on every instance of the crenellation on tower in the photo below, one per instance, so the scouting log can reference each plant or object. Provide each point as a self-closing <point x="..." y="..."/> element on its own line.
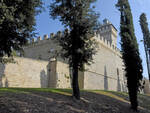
<point x="59" y="34"/>
<point x="52" y="35"/>
<point x="39" y="39"/>
<point x="33" y="40"/>
<point x="67" y="30"/>
<point x="103" y="41"/>
<point x="45" y="37"/>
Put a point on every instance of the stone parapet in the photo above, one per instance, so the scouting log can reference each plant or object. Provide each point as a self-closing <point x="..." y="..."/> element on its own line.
<point x="107" y="44"/>
<point x="46" y="39"/>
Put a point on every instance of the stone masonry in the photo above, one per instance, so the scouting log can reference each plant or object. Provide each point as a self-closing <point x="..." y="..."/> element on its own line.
<point x="39" y="65"/>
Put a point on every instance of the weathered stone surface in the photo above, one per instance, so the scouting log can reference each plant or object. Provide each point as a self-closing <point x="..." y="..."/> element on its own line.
<point x="147" y="86"/>
<point x="42" y="66"/>
<point x="24" y="73"/>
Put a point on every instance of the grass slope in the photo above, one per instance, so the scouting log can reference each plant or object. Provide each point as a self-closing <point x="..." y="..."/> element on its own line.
<point x="44" y="100"/>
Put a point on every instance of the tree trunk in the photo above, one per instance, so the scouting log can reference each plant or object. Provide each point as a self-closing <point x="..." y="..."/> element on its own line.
<point x="75" y="85"/>
<point x="133" y="96"/>
<point x="149" y="65"/>
<point x="133" y="100"/>
<point x="147" y="52"/>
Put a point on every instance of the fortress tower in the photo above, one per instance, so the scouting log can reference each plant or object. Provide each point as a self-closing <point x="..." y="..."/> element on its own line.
<point x="109" y="32"/>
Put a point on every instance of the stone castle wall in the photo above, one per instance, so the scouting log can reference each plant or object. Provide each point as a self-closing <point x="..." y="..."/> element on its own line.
<point x="35" y="73"/>
<point x="107" y="62"/>
<point x="146" y="86"/>
<point x="41" y="49"/>
<point x="46" y="48"/>
<point x="107" y="70"/>
<point x="63" y="75"/>
<point x="24" y="73"/>
<point x="105" y="73"/>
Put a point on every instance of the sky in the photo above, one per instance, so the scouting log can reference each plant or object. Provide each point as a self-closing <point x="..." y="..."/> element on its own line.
<point x="107" y="9"/>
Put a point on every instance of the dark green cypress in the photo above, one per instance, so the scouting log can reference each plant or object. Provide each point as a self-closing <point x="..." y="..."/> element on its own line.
<point x="146" y="38"/>
<point x="130" y="52"/>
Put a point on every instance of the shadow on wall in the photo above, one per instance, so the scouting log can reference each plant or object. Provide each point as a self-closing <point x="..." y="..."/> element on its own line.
<point x="123" y="88"/>
<point x="6" y="83"/>
<point x="118" y="83"/>
<point x="49" y="80"/>
<point x="105" y="79"/>
<point x="3" y="79"/>
<point x="70" y="72"/>
<point x="51" y="75"/>
<point x="48" y="74"/>
<point x="43" y="79"/>
<point x="146" y="86"/>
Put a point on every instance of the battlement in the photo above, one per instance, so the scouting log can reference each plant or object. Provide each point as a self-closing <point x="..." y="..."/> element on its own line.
<point x="105" y="35"/>
<point x="106" y="43"/>
<point x="42" y="40"/>
<point x="39" y="39"/>
<point x="48" y="39"/>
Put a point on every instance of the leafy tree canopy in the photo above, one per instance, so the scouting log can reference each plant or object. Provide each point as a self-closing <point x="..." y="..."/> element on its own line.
<point x="145" y="30"/>
<point x="17" y="21"/>
<point x="80" y="18"/>
<point x="77" y="43"/>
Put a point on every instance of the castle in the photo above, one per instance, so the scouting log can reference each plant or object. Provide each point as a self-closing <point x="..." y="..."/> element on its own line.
<point x="39" y="66"/>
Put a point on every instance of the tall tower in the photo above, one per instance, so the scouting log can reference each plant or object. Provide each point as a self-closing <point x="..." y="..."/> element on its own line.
<point x="109" y="32"/>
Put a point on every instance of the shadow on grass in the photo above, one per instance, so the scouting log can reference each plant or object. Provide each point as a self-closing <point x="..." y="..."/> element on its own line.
<point x="59" y="100"/>
<point x="144" y="100"/>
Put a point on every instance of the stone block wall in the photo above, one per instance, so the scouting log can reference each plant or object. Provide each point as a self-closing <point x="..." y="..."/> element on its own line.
<point x="29" y="73"/>
<point x="147" y="86"/>
<point x="42" y="49"/>
<point x="63" y="75"/>
<point x="24" y="73"/>
<point x="36" y="69"/>
<point x="106" y="72"/>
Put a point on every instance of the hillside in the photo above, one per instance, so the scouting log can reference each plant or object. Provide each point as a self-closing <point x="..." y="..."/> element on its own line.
<point x="21" y="100"/>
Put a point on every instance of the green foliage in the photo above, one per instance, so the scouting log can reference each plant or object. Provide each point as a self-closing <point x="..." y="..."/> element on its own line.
<point x="130" y="52"/>
<point x="145" y="30"/>
<point x="146" y="38"/>
<point x="5" y="60"/>
<point x="66" y="76"/>
<point x="77" y="43"/>
<point x="17" y="21"/>
<point x="14" y="53"/>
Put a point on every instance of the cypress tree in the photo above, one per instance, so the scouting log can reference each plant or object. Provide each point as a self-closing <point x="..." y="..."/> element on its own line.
<point x="77" y="44"/>
<point x="146" y="38"/>
<point x="130" y="52"/>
